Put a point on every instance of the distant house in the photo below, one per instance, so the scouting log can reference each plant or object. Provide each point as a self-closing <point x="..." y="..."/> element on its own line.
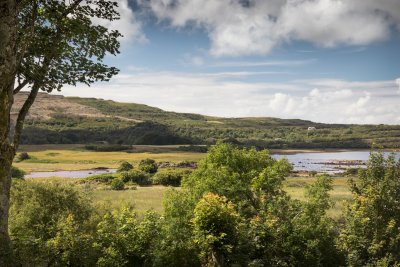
<point x="311" y="129"/>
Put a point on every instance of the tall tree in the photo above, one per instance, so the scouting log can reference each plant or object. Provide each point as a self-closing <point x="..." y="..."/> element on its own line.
<point x="45" y="44"/>
<point x="8" y="67"/>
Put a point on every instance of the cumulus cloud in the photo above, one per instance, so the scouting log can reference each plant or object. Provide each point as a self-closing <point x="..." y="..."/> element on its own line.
<point x="128" y="25"/>
<point x="398" y="83"/>
<point x="216" y="94"/>
<point x="257" y="26"/>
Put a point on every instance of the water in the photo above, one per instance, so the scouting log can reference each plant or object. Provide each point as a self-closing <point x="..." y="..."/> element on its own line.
<point x="69" y="174"/>
<point x="329" y="162"/>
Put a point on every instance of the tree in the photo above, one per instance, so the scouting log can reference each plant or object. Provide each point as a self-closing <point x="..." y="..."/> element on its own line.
<point x="45" y="44"/>
<point x="371" y="233"/>
<point x="8" y="68"/>
<point x="148" y="165"/>
<point x="216" y="230"/>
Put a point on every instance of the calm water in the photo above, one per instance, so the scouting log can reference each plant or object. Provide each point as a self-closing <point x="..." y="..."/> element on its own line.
<point x="331" y="162"/>
<point x="68" y="174"/>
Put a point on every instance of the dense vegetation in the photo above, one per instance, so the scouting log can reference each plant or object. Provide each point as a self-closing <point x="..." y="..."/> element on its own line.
<point x="231" y="211"/>
<point x="130" y="124"/>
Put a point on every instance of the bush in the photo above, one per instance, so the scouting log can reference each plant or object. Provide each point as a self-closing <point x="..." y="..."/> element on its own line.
<point x="107" y="148"/>
<point x="23" y="156"/>
<point x="148" y="165"/>
<point x="169" y="177"/>
<point x="17" y="173"/>
<point x="117" y="184"/>
<point x="135" y="176"/>
<point x="125" y="166"/>
<point x="42" y="216"/>
<point x="102" y="178"/>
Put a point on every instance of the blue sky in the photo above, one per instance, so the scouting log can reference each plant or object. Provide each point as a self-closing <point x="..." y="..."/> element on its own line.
<point x="323" y="60"/>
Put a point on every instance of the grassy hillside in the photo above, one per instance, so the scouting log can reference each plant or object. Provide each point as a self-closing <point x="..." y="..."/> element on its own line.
<point x="68" y="120"/>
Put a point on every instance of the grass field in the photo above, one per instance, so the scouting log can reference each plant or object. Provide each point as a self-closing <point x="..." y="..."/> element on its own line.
<point x="151" y="197"/>
<point x="75" y="157"/>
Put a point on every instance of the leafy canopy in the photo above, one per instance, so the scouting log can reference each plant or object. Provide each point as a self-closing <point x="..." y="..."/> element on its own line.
<point x="60" y="44"/>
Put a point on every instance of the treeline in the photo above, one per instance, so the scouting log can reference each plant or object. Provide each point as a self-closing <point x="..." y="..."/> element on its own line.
<point x="231" y="211"/>
<point x="148" y="133"/>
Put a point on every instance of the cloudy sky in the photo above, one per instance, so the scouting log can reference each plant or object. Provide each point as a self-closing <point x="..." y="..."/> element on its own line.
<point x="335" y="61"/>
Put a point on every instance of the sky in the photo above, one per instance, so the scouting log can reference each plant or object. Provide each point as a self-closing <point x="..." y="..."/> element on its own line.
<point x="333" y="61"/>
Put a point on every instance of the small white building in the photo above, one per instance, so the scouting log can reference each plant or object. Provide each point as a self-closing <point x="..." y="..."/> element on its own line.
<point x="311" y="129"/>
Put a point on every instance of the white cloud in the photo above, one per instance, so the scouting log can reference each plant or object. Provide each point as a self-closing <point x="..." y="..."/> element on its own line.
<point x="237" y="30"/>
<point x="127" y="25"/>
<point x="281" y="63"/>
<point x="398" y="83"/>
<point x="332" y="101"/>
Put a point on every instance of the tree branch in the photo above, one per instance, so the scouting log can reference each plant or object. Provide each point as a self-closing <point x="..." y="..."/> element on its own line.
<point x="20" y="86"/>
<point x="22" y="114"/>
<point x="31" y="32"/>
<point x="70" y="8"/>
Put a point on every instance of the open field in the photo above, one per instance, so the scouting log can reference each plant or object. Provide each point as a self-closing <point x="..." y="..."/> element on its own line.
<point x="150" y="198"/>
<point x="75" y="157"/>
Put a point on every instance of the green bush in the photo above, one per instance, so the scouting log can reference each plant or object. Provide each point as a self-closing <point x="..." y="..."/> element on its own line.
<point x="107" y="148"/>
<point x="135" y="176"/>
<point x="148" y="165"/>
<point x="49" y="223"/>
<point x="117" y="184"/>
<point x="17" y="173"/>
<point x="169" y="177"/>
<point x="23" y="156"/>
<point x="102" y="178"/>
<point x="125" y="166"/>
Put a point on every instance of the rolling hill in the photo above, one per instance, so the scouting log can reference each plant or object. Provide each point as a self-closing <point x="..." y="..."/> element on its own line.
<point x="55" y="119"/>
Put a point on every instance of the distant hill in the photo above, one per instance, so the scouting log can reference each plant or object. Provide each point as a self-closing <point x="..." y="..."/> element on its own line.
<point x="56" y="119"/>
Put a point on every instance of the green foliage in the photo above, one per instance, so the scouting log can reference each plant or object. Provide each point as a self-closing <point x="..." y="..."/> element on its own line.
<point x="371" y="234"/>
<point x="279" y="231"/>
<point x="102" y="178"/>
<point x="148" y="165"/>
<point x="136" y="176"/>
<point x="125" y="166"/>
<point x="59" y="43"/>
<point x="17" y="173"/>
<point x="241" y="175"/>
<point x="216" y="229"/>
<point x="117" y="184"/>
<point x="169" y="177"/>
<point x="123" y="241"/>
<point x="41" y="215"/>
<point x="107" y="148"/>
<point x="23" y="156"/>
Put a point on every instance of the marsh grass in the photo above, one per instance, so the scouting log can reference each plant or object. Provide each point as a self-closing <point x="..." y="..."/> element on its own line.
<point x="75" y="157"/>
<point x="151" y="197"/>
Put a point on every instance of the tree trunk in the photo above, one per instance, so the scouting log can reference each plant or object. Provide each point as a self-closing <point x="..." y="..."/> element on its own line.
<point x="8" y="33"/>
<point x="5" y="183"/>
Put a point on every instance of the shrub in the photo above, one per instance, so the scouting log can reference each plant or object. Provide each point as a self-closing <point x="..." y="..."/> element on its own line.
<point x="351" y="171"/>
<point x="148" y="165"/>
<point x="43" y="216"/>
<point x="17" y="173"/>
<point x="371" y="232"/>
<point x="169" y="177"/>
<point x="135" y="176"/>
<point x="125" y="166"/>
<point x="107" y="148"/>
<point x="23" y="156"/>
<point x="102" y="178"/>
<point x="117" y="184"/>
